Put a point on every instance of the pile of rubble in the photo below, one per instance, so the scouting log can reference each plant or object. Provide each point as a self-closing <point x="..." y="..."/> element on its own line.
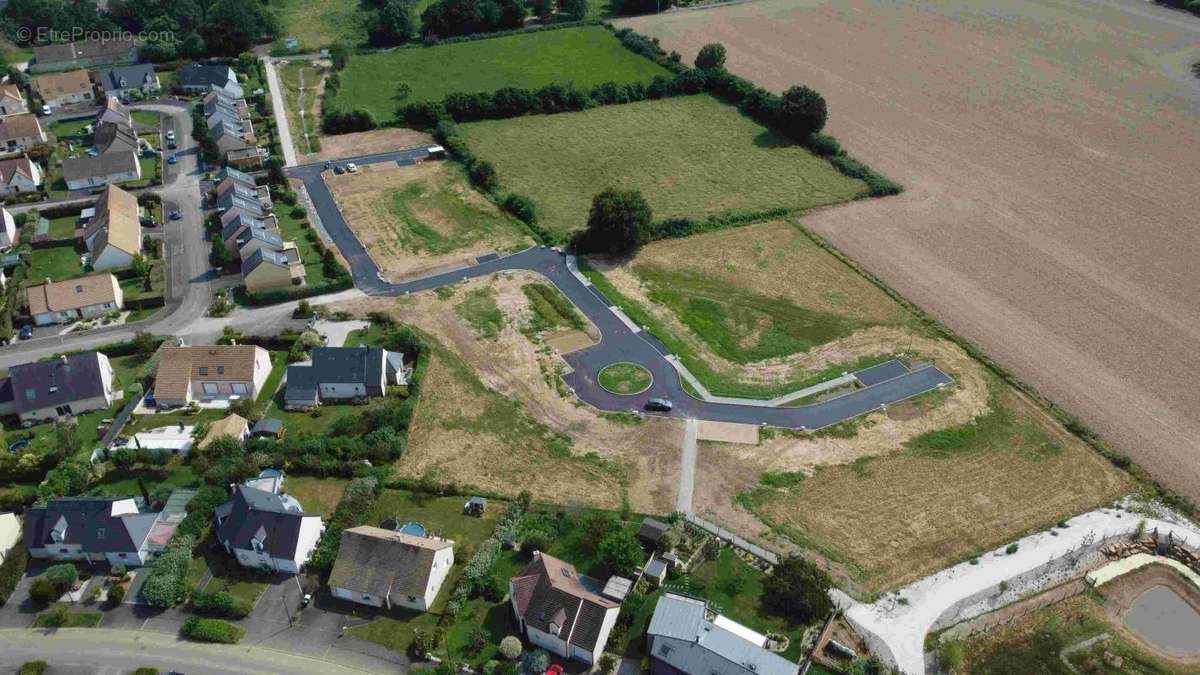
<point x="1152" y="544"/>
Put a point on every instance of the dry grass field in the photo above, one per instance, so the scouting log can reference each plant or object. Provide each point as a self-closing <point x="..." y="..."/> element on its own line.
<point x="492" y="414"/>
<point x="416" y="220"/>
<point x="1049" y="151"/>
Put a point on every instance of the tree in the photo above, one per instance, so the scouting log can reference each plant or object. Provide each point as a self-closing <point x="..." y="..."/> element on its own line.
<point x="123" y="459"/>
<point x="483" y="174"/>
<point x="339" y="55"/>
<point x="43" y="591"/>
<point x="620" y="552"/>
<point x="394" y="23"/>
<point x="797" y="590"/>
<point x="62" y="575"/>
<point x="801" y="113"/>
<point x="219" y="256"/>
<point x="510" y="647"/>
<point x="537" y="661"/>
<point x="618" y="222"/>
<point x="140" y="266"/>
<point x="711" y="56"/>
<point x="576" y="9"/>
<point x="145" y="343"/>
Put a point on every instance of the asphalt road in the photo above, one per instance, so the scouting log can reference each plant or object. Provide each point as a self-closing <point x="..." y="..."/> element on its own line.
<point x="618" y="342"/>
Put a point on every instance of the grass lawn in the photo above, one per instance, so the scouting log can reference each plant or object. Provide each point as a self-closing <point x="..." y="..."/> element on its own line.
<point x="123" y="483"/>
<point x="167" y="79"/>
<point x="76" y="130"/>
<point x="625" y="378"/>
<point x="279" y="366"/>
<point x="479" y="309"/>
<point x="690" y="156"/>
<point x="150" y="167"/>
<point x="441" y="516"/>
<point x="291" y="230"/>
<point x="55" y="263"/>
<point x="146" y="117"/>
<point x="289" y="77"/>
<point x="587" y="56"/>
<point x="139" y="423"/>
<point x="140" y="314"/>
<point x="552" y="309"/>
<point x="63" y="227"/>
<point x="1033" y="643"/>
<point x="316" y="495"/>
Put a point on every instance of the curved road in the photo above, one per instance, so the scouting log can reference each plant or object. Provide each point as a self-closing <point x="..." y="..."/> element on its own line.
<point x="618" y="341"/>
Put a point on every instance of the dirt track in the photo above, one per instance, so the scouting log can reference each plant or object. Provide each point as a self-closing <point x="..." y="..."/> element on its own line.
<point x="1050" y="150"/>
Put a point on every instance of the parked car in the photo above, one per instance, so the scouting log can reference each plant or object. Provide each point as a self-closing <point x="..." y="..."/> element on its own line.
<point x="176" y="215"/>
<point x="150" y="400"/>
<point x="328" y="165"/>
<point x="171" y="159"/>
<point x="26" y="331"/>
<point x="172" y="145"/>
<point x="351" y="167"/>
<point x="337" y="168"/>
<point x="660" y="404"/>
<point x="170" y="135"/>
<point x="46" y="109"/>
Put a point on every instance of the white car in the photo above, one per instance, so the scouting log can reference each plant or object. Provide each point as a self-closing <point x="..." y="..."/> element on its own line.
<point x="170" y="135"/>
<point x="46" y="109"/>
<point x="352" y="167"/>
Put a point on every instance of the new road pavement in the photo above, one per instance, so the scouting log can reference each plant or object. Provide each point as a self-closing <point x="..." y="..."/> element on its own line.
<point x="619" y="342"/>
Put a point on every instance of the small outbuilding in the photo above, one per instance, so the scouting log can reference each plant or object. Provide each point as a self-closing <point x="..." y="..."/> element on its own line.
<point x="475" y="506"/>
<point x="651" y="532"/>
<point x="617" y="588"/>
<point x="656" y="572"/>
<point x="268" y="427"/>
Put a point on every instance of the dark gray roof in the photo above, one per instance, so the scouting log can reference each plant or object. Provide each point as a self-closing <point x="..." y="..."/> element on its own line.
<point x="238" y="176"/>
<point x="553" y="597"/>
<point x="48" y="384"/>
<point x="248" y="203"/>
<point x="240" y="221"/>
<point x="112" y="137"/>
<point x="264" y="256"/>
<point x="107" y="164"/>
<point x="126" y="77"/>
<point x="262" y="234"/>
<point x="257" y="514"/>
<point x="681" y="636"/>
<point x="89" y="523"/>
<point x="652" y="529"/>
<point x="267" y="425"/>
<point x="205" y="75"/>
<point x="334" y="364"/>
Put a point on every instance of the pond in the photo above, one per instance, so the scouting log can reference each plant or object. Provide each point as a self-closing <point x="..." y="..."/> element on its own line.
<point x="1165" y="620"/>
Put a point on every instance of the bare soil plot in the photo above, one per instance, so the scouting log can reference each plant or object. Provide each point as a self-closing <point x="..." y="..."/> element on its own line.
<point x="416" y="220"/>
<point x="1048" y="150"/>
<point x="493" y="414"/>
<point x="369" y="142"/>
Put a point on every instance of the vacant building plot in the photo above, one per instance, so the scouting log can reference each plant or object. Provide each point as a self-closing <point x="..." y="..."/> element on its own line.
<point x="303" y="84"/>
<point x="690" y="156"/>
<point x="494" y="415"/>
<point x="585" y="56"/>
<point x="416" y="220"/>
<point x="756" y="311"/>
<point x="1048" y="150"/>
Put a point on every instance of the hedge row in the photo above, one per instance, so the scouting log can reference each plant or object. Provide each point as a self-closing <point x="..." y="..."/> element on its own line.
<point x="222" y="605"/>
<point x="212" y="630"/>
<point x="352" y="511"/>
<point x="279" y="295"/>
<point x="11" y="571"/>
<point x="166" y="583"/>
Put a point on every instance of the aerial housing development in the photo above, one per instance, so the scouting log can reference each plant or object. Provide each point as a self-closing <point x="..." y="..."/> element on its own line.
<point x="548" y="337"/>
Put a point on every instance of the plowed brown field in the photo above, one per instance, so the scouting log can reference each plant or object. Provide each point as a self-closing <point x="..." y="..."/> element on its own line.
<point x="1050" y="150"/>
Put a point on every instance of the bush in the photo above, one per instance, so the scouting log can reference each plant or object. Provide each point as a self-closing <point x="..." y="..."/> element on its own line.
<point x="484" y="176"/>
<point x="797" y="590"/>
<point x="165" y="584"/>
<point x="33" y="668"/>
<point x="44" y="591"/>
<point x="1012" y="548"/>
<point x="212" y="630"/>
<point x="423" y="642"/>
<point x="62" y="575"/>
<point x="221" y="604"/>
<point x="510" y="647"/>
<point x="11" y="571"/>
<point x="116" y="595"/>
<point x="823" y="145"/>
<point x="521" y="207"/>
<point x="537" y="661"/>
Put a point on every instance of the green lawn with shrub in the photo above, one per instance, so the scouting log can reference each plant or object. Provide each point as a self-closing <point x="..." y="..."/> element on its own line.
<point x="54" y="263"/>
<point x="690" y="156"/>
<point x="586" y="56"/>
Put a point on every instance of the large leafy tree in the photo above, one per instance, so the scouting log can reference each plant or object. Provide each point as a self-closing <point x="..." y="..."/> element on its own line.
<point x="797" y="590"/>
<point x="619" y="552"/>
<point x="618" y="222"/>
<point x="711" y="56"/>
<point x="394" y="23"/>
<point x="448" y="18"/>
<point x="801" y="113"/>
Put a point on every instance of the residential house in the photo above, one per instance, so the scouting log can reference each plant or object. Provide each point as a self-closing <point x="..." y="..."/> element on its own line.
<point x="383" y="568"/>
<point x="341" y="374"/>
<point x="20" y="132"/>
<point x="60" y="89"/>
<point x="114" y="234"/>
<point x="115" y="137"/>
<point x="560" y="610"/>
<point x="84" y="54"/>
<point x="112" y="110"/>
<point x="210" y="373"/>
<point x="44" y="391"/>
<point x="264" y="530"/>
<point x="267" y="270"/>
<point x="12" y="101"/>
<point x="236" y="222"/>
<point x="8" y="227"/>
<point x="19" y="175"/>
<point x="10" y="533"/>
<point x="122" y="82"/>
<point x="219" y="101"/>
<point x="230" y="173"/>
<point x="233" y="426"/>
<point x="257" y="237"/>
<point x="116" y="530"/>
<point x="74" y="299"/>
<point x="229" y="139"/>
<point x="110" y="168"/>
<point x="687" y="637"/>
<point x="201" y="78"/>
<point x="246" y="158"/>
<point x="231" y="194"/>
